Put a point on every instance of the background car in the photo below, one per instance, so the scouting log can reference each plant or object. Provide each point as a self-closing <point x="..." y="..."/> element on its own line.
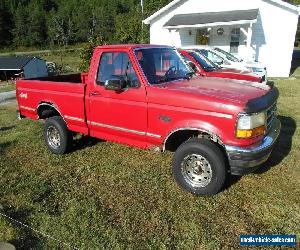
<point x="203" y="66"/>
<point x="256" y="67"/>
<point x="227" y="60"/>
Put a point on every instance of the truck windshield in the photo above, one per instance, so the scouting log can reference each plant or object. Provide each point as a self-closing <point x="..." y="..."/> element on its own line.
<point x="162" y="65"/>
<point x="228" y="56"/>
<point x="207" y="64"/>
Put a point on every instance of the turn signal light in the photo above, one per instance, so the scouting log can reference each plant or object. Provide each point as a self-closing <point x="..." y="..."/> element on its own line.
<point x="250" y="133"/>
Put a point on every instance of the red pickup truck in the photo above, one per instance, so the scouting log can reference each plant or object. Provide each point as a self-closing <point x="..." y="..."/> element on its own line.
<point x="146" y="96"/>
<point x="203" y="66"/>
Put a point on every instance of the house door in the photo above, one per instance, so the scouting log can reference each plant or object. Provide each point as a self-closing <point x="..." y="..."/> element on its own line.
<point x="202" y="37"/>
<point x="235" y="40"/>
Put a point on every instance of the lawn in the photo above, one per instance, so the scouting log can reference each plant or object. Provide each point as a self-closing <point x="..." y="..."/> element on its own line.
<point x="108" y="196"/>
<point x="7" y="87"/>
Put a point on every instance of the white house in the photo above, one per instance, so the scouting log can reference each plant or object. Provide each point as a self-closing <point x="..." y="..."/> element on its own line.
<point x="263" y="30"/>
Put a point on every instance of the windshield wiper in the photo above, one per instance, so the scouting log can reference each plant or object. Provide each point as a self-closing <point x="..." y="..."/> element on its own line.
<point x="166" y="79"/>
<point x="187" y="76"/>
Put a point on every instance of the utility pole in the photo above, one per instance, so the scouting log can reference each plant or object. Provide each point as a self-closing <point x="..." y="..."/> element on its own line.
<point x="142" y="6"/>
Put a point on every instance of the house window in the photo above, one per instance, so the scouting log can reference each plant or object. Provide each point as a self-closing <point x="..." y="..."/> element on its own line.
<point x="235" y="40"/>
<point x="202" y="37"/>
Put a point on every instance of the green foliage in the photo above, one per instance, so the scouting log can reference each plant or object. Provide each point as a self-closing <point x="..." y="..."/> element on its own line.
<point x="295" y="2"/>
<point x="87" y="52"/>
<point x="29" y="23"/>
<point x="5" y="25"/>
<point x="128" y="27"/>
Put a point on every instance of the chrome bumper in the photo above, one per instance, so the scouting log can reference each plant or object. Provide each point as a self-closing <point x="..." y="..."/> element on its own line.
<point x="245" y="160"/>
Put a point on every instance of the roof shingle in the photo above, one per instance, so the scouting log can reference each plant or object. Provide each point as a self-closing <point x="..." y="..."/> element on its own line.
<point x="14" y="62"/>
<point x="212" y="17"/>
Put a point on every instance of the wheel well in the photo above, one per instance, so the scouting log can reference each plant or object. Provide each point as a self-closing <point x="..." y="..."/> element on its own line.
<point x="46" y="110"/>
<point x="175" y="139"/>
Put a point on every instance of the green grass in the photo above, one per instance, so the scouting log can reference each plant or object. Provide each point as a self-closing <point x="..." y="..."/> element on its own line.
<point x="20" y="49"/>
<point x="296" y="73"/>
<point x="7" y="87"/>
<point x="69" y="60"/>
<point x="108" y="196"/>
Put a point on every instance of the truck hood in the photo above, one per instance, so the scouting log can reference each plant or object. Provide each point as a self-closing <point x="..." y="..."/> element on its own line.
<point x="227" y="89"/>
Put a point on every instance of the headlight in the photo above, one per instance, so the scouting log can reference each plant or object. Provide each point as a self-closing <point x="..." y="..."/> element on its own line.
<point x="249" y="126"/>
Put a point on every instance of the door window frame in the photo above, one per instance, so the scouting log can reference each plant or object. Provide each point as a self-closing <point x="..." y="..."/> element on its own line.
<point x="99" y="57"/>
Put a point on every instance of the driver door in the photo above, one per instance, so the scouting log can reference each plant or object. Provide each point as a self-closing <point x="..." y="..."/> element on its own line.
<point x="118" y="116"/>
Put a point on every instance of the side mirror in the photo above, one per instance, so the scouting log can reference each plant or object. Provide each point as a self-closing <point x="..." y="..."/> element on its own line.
<point x="192" y="66"/>
<point x="114" y="84"/>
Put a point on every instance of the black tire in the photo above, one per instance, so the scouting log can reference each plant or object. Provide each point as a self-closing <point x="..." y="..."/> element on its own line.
<point x="57" y="136"/>
<point x="199" y="167"/>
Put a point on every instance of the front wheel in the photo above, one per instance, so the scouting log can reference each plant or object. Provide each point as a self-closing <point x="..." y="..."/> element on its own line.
<point x="57" y="136"/>
<point x="199" y="167"/>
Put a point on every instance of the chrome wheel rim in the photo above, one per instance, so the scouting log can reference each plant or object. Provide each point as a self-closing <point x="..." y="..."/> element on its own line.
<point x="53" y="137"/>
<point x="196" y="170"/>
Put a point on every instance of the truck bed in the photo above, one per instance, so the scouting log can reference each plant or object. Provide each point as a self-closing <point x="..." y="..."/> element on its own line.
<point x="65" y="92"/>
<point x="70" y="78"/>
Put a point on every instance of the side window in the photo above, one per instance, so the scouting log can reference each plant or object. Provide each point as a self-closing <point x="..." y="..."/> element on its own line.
<point x="117" y="65"/>
<point x="213" y="57"/>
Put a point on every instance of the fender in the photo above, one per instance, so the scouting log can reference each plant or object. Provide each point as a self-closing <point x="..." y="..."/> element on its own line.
<point x="51" y="104"/>
<point x="196" y="125"/>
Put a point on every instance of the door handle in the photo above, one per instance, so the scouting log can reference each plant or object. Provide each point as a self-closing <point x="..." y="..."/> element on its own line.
<point x="95" y="93"/>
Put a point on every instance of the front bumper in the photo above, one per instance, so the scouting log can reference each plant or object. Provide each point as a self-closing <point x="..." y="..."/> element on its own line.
<point x="246" y="160"/>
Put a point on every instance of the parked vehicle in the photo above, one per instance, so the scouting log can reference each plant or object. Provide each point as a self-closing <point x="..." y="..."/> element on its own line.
<point x="227" y="60"/>
<point x="146" y="96"/>
<point x="203" y="66"/>
<point x="256" y="67"/>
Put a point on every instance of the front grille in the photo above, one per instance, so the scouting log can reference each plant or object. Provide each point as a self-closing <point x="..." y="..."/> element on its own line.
<point x="271" y="115"/>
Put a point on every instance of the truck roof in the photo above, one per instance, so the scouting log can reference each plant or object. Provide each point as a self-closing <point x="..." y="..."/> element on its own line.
<point x="132" y="46"/>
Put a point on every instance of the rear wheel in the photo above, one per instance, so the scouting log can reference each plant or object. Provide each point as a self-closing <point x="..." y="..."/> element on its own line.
<point x="57" y="136"/>
<point x="199" y="167"/>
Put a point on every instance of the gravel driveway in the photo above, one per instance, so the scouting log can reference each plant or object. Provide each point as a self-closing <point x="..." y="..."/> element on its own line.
<point x="5" y="96"/>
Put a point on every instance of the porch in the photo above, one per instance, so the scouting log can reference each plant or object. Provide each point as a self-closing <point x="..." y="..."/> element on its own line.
<point x="229" y="30"/>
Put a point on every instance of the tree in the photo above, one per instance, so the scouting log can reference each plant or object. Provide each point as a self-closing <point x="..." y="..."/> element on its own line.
<point x="128" y="27"/>
<point x="37" y="30"/>
<point x="20" y="31"/>
<point x="44" y="22"/>
<point x="88" y="50"/>
<point x="5" y="25"/>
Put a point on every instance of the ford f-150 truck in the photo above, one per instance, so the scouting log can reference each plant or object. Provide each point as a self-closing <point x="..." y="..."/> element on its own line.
<point x="203" y="66"/>
<point x="146" y="96"/>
